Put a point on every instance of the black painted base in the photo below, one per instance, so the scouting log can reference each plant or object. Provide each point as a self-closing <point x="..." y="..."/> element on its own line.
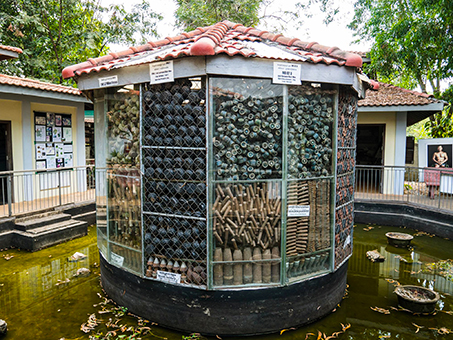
<point x="225" y="312"/>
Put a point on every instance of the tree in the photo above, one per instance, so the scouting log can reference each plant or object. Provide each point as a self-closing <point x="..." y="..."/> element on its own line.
<point x="412" y="40"/>
<point x="191" y="14"/>
<point x="56" y="33"/>
<point x="440" y="125"/>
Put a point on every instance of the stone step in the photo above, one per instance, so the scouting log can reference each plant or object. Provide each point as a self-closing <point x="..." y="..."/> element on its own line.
<point x="41" y="221"/>
<point x="52" y="227"/>
<point x="45" y="236"/>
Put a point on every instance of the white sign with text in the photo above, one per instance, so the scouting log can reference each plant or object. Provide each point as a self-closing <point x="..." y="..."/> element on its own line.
<point x="108" y="81"/>
<point x="161" y="72"/>
<point x="287" y="73"/>
<point x="116" y="259"/>
<point x="168" y="277"/>
<point x="298" y="210"/>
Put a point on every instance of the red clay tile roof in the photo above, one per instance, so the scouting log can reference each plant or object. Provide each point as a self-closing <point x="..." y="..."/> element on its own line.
<point x="221" y="38"/>
<point x="38" y="85"/>
<point x="389" y="95"/>
<point x="10" y="48"/>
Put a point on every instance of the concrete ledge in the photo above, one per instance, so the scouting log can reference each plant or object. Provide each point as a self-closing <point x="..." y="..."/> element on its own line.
<point x="399" y="214"/>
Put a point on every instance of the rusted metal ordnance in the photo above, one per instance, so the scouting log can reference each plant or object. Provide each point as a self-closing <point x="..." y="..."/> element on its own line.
<point x="225" y="178"/>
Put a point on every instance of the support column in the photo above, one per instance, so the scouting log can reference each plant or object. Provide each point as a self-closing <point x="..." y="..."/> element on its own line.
<point x="400" y="152"/>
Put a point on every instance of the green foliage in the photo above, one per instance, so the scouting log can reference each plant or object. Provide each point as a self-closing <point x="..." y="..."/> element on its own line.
<point x="56" y="33"/>
<point x="440" y="125"/>
<point x="418" y="130"/>
<point x="191" y="14"/>
<point x="412" y="40"/>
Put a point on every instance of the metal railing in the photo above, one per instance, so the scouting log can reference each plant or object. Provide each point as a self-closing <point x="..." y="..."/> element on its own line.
<point x="26" y="191"/>
<point x="428" y="187"/>
<point x="33" y="190"/>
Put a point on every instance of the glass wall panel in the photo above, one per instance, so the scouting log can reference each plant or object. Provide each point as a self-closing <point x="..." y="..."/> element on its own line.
<point x="308" y="231"/>
<point x="247" y="128"/>
<point x="246" y="229"/>
<point x="310" y="120"/>
<point x="175" y="181"/>
<point x="123" y="177"/>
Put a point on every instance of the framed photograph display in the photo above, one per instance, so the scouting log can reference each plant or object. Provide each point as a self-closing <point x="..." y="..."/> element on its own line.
<point x="56" y="134"/>
<point x="40" y="120"/>
<point x="40" y="165"/>
<point x="40" y="133"/>
<point x="51" y="130"/>
<point x="67" y="134"/>
<point x="66" y="120"/>
<point x="57" y="120"/>
<point x="50" y="119"/>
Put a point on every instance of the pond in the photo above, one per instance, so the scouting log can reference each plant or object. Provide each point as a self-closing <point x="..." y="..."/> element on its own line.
<point x="41" y="299"/>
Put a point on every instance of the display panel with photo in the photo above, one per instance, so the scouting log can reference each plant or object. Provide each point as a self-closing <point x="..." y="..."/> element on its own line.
<point x="51" y="163"/>
<point x="40" y="119"/>
<point x="41" y="165"/>
<point x="40" y="151"/>
<point x="56" y="134"/>
<point x="66" y="120"/>
<point x="40" y="133"/>
<point x="57" y="120"/>
<point x="440" y="156"/>
<point x="50" y="119"/>
<point x="67" y="134"/>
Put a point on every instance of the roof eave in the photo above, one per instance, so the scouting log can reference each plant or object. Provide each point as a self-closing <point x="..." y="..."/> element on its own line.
<point x="7" y="54"/>
<point x="433" y="107"/>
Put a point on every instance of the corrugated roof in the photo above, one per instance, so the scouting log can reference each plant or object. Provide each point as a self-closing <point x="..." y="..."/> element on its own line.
<point x="390" y="95"/>
<point x="38" y="85"/>
<point x="221" y="38"/>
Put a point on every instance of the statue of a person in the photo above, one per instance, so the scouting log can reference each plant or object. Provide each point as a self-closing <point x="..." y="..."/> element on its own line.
<point x="440" y="157"/>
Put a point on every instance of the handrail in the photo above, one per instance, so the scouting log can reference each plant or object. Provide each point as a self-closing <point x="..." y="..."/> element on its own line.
<point x="412" y="185"/>
<point x="12" y="172"/>
<point x="24" y="191"/>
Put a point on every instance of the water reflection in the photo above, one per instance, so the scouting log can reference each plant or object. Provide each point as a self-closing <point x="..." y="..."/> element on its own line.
<point x="35" y="301"/>
<point x="36" y="308"/>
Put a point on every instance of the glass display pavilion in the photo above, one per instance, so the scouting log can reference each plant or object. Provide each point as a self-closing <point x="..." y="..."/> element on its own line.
<point x="225" y="177"/>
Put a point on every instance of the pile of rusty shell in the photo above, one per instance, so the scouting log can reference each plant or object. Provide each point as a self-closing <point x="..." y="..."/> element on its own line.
<point x="243" y="272"/>
<point x="309" y="130"/>
<point x="247" y="138"/>
<point x="123" y="130"/>
<point x="307" y="265"/>
<point x="246" y="216"/>
<point x="190" y="273"/>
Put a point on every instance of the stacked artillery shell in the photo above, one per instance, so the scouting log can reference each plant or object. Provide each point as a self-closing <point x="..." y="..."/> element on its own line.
<point x="124" y="214"/>
<point x="247" y="215"/>
<point x="257" y="267"/>
<point x="248" y="270"/>
<point x="311" y="114"/>
<point x="344" y="214"/>
<point x="174" y="178"/>
<point x="247" y="136"/>
<point x="123" y="180"/>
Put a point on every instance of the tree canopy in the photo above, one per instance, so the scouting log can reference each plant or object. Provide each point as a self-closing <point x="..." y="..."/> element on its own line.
<point x="191" y="14"/>
<point x="412" y="40"/>
<point x="56" y="33"/>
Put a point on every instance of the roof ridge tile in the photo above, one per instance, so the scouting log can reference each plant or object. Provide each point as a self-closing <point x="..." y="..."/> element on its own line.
<point x="205" y="40"/>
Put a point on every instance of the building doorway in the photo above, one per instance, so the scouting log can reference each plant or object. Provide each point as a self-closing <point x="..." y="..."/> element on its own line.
<point x="6" y="158"/>
<point x="370" y="152"/>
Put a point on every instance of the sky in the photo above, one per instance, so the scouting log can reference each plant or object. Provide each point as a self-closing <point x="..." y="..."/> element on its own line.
<point x="335" y="34"/>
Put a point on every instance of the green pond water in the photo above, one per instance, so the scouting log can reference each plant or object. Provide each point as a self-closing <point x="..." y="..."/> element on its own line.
<point x="38" y="305"/>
